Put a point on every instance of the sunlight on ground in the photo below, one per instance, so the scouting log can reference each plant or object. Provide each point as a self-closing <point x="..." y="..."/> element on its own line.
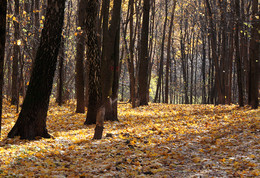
<point x="156" y="140"/>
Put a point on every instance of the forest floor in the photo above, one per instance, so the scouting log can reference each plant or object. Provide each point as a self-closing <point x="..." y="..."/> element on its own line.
<point x="158" y="140"/>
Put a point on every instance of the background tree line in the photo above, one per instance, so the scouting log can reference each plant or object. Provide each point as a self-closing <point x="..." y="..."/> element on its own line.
<point x="197" y="51"/>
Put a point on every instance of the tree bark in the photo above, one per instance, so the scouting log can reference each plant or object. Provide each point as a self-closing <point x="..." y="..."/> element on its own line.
<point x="218" y="86"/>
<point x="60" y="93"/>
<point x="109" y="58"/>
<point x="144" y="60"/>
<point x="169" y="54"/>
<point x="31" y="122"/>
<point x="238" y="57"/>
<point x="14" y="100"/>
<point x="253" y="93"/>
<point x="93" y="56"/>
<point x="160" y="77"/>
<point x="3" y="7"/>
<point x="80" y="60"/>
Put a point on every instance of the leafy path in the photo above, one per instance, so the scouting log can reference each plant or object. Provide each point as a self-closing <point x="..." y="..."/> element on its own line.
<point x="154" y="141"/>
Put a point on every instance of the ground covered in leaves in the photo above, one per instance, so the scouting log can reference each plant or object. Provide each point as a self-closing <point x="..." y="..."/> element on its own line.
<point x="153" y="141"/>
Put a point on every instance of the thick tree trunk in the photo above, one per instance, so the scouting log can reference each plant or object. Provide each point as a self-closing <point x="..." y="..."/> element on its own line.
<point x="31" y="122"/>
<point x="93" y="56"/>
<point x="3" y="7"/>
<point x="144" y="59"/>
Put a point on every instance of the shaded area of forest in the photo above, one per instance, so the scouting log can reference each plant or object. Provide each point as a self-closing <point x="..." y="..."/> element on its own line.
<point x="155" y="140"/>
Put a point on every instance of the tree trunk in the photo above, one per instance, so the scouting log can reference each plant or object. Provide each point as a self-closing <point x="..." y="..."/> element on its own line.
<point x="144" y="57"/>
<point x="15" y="96"/>
<point x="203" y="69"/>
<point x="253" y="93"/>
<point x="160" y="77"/>
<point x="169" y="54"/>
<point x="31" y="122"/>
<point x="3" y="7"/>
<point x="109" y="56"/>
<point x="60" y="93"/>
<point x="238" y="57"/>
<point x="80" y="60"/>
<point x="218" y="86"/>
<point x="93" y="56"/>
<point x="131" y="59"/>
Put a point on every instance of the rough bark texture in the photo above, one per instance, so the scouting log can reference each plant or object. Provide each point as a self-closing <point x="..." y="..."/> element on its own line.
<point x="3" y="7"/>
<point x="144" y="61"/>
<point x="31" y="122"/>
<point x="93" y="57"/>
<point x="80" y="60"/>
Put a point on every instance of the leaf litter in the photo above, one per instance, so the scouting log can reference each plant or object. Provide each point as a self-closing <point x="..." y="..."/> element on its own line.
<point x="159" y="140"/>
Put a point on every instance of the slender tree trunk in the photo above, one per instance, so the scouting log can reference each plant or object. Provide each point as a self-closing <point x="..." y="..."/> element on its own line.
<point x="80" y="60"/>
<point x="60" y="97"/>
<point x="3" y="7"/>
<point x="203" y="69"/>
<point x="31" y="122"/>
<point x="160" y="77"/>
<point x="218" y="86"/>
<point x="238" y="57"/>
<point x="15" y="96"/>
<point x="131" y="58"/>
<point x="168" y="54"/>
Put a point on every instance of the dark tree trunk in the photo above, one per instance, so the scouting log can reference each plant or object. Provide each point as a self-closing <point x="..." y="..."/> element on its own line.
<point x="115" y="85"/>
<point x="15" y="96"/>
<point x="131" y="56"/>
<point x="60" y="93"/>
<point x="238" y="56"/>
<point x="253" y="93"/>
<point x="93" y="56"/>
<point x="144" y="60"/>
<point x="218" y="86"/>
<point x="3" y="7"/>
<point x="109" y="56"/>
<point x="203" y="69"/>
<point x="184" y="64"/>
<point x="31" y="122"/>
<point x="80" y="60"/>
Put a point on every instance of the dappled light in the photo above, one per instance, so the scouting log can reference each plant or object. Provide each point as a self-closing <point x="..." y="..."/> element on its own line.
<point x="155" y="140"/>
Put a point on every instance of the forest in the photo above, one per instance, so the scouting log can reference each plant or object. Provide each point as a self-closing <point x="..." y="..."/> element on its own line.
<point x="129" y="88"/>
